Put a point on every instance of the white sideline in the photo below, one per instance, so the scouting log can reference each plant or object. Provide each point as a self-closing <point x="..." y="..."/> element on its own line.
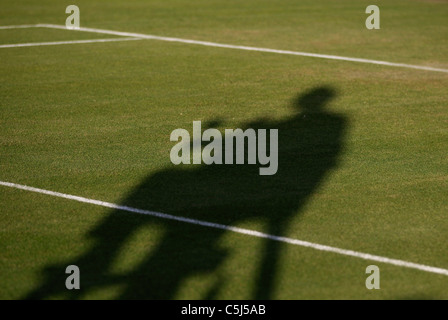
<point x="253" y="233"/>
<point x="229" y="46"/>
<point x="54" y="43"/>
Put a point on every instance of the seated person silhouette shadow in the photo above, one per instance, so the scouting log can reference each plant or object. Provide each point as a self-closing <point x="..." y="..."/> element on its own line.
<point x="310" y="143"/>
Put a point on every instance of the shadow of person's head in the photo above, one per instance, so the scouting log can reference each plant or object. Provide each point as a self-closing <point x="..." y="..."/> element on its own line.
<point x="315" y="100"/>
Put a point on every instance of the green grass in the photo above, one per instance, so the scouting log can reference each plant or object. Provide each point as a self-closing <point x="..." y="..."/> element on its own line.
<point x="94" y="120"/>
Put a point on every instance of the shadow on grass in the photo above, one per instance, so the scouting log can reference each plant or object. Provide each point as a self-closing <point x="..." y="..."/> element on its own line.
<point x="309" y="145"/>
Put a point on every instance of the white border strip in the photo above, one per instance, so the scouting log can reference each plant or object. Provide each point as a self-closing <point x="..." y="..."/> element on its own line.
<point x="54" y="43"/>
<point x="229" y="46"/>
<point x="301" y="243"/>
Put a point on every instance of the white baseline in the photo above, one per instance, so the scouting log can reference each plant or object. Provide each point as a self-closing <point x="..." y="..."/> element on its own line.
<point x="253" y="233"/>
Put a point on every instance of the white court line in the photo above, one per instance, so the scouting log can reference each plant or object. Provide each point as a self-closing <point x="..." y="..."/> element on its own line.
<point x="228" y="46"/>
<point x="54" y="43"/>
<point x="253" y="233"/>
<point x="23" y="26"/>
